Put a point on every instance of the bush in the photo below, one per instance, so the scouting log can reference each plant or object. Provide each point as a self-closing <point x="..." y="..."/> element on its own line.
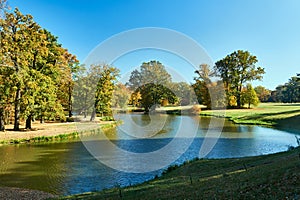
<point x="70" y="119"/>
<point x="195" y="110"/>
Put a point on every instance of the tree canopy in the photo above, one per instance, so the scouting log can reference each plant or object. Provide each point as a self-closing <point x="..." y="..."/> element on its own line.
<point x="237" y="69"/>
<point x="152" y="82"/>
<point x="33" y="68"/>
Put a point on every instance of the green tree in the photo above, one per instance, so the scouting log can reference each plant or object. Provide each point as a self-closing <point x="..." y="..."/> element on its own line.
<point x="236" y="69"/>
<point x="203" y="82"/>
<point x="153" y="95"/>
<point x="104" y="91"/>
<point x="249" y="96"/>
<point x="15" y="41"/>
<point x="152" y="81"/>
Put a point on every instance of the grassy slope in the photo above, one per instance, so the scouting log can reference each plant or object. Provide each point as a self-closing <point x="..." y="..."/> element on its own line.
<point x="274" y="176"/>
<point x="285" y="116"/>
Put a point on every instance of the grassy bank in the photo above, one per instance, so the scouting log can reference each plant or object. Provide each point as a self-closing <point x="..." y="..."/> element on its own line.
<point x="274" y="176"/>
<point x="284" y="116"/>
<point x="51" y="133"/>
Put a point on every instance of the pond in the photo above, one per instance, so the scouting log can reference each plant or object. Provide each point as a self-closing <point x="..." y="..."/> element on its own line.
<point x="69" y="168"/>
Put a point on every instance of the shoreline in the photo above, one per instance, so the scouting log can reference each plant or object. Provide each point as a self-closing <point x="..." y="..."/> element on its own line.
<point x="52" y="132"/>
<point x="270" y="115"/>
<point x="222" y="178"/>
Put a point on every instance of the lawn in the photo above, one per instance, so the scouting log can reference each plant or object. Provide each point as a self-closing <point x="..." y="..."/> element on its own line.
<point x="285" y="116"/>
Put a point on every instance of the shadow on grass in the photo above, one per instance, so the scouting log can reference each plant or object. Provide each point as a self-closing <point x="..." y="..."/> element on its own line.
<point x="288" y="104"/>
<point x="291" y="124"/>
<point x="262" y="115"/>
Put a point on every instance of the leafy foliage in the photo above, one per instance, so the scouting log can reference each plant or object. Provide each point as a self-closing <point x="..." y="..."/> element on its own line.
<point x="236" y="69"/>
<point x="263" y="93"/>
<point x="152" y="82"/>
<point x="249" y="96"/>
<point x="33" y="69"/>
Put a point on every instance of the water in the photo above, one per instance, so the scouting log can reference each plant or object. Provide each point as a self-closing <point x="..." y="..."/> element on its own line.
<point x="69" y="168"/>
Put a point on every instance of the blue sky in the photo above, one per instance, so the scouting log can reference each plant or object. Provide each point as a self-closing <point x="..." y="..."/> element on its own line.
<point x="269" y="29"/>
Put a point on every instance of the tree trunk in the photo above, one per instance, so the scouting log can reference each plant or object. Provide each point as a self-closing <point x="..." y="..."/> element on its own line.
<point x="17" y="110"/>
<point x="70" y="102"/>
<point x="249" y="105"/>
<point x="93" y="116"/>
<point x="42" y="120"/>
<point x="2" y="126"/>
<point x="28" y="122"/>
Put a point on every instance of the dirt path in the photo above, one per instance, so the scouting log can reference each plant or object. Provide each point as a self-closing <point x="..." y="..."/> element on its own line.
<point x="47" y="129"/>
<point x="23" y="194"/>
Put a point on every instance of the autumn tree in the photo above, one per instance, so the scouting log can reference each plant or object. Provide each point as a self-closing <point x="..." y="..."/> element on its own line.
<point x="235" y="70"/>
<point x="249" y="97"/>
<point x="263" y="93"/>
<point x="37" y="64"/>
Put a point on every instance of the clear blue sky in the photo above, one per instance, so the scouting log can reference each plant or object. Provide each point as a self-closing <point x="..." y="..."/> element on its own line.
<point x="269" y="29"/>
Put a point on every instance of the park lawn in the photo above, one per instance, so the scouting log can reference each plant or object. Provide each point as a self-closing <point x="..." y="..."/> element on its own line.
<point x="285" y="116"/>
<point x="275" y="176"/>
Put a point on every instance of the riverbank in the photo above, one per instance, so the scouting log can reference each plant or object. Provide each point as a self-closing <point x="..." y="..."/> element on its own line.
<point x="49" y="132"/>
<point x="279" y="115"/>
<point x="275" y="176"/>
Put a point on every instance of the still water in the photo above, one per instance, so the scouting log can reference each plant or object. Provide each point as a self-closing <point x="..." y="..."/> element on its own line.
<point x="69" y="168"/>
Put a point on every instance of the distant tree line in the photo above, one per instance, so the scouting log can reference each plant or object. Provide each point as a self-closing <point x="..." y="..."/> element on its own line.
<point x="288" y="92"/>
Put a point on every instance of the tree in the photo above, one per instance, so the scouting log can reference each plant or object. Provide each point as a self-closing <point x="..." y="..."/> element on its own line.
<point x="36" y="65"/>
<point x="263" y="94"/>
<point x="154" y="94"/>
<point x="105" y="88"/>
<point x="121" y="96"/>
<point x="15" y="31"/>
<point x="184" y="92"/>
<point x="152" y="81"/>
<point x="249" y="96"/>
<point x="203" y="81"/>
<point x="236" y="69"/>
<point x="84" y="90"/>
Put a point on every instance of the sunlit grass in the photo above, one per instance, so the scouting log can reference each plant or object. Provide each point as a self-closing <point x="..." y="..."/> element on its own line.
<point x="272" y="114"/>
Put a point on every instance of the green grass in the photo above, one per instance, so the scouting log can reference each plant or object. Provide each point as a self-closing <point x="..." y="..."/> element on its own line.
<point x="274" y="176"/>
<point x="286" y="116"/>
